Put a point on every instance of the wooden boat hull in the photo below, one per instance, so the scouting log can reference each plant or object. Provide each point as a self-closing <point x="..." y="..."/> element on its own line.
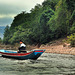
<point x="22" y="56"/>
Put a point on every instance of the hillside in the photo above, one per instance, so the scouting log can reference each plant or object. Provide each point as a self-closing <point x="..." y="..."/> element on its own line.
<point x="52" y="20"/>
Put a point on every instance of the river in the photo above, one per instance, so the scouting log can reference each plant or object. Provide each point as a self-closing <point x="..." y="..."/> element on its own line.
<point x="46" y="64"/>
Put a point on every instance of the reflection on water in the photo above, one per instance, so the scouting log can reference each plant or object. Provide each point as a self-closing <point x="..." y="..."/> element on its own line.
<point x="47" y="64"/>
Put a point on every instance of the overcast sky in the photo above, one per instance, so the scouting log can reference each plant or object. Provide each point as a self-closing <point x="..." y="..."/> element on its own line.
<point x="10" y="8"/>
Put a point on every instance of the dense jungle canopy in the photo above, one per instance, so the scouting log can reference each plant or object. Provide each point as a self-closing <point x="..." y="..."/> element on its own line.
<point x="52" y="20"/>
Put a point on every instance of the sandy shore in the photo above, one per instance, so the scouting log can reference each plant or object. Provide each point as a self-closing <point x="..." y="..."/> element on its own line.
<point x="59" y="49"/>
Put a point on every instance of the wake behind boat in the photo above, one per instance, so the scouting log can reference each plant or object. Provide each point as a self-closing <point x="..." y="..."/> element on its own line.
<point x="34" y="54"/>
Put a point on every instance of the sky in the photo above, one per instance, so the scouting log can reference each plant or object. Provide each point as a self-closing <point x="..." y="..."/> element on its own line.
<point x="10" y="8"/>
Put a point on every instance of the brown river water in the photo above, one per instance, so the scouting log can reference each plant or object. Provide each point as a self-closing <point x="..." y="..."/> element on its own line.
<point x="46" y="64"/>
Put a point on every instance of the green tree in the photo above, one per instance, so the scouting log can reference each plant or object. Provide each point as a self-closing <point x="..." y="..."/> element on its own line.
<point x="6" y="35"/>
<point x="0" y="40"/>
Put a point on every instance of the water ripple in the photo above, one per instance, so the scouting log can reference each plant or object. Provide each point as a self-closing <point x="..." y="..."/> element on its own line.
<point x="47" y="64"/>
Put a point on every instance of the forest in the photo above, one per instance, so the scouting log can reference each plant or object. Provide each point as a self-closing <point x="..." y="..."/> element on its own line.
<point x="52" y="20"/>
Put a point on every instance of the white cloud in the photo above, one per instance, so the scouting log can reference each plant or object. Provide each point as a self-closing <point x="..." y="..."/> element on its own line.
<point x="17" y="5"/>
<point x="7" y="16"/>
<point x="10" y="8"/>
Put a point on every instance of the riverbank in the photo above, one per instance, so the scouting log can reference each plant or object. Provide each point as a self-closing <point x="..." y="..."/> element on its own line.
<point x="57" y="47"/>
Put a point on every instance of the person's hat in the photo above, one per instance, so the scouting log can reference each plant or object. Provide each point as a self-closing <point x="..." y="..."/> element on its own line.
<point x="21" y="42"/>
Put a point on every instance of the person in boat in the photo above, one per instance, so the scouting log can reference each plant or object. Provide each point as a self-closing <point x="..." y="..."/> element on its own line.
<point x="22" y="48"/>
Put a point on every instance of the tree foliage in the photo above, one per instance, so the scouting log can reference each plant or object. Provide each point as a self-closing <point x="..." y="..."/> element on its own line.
<point x="6" y="35"/>
<point x="71" y="39"/>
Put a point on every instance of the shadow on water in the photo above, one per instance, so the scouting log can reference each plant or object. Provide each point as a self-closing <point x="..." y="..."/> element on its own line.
<point x="47" y="64"/>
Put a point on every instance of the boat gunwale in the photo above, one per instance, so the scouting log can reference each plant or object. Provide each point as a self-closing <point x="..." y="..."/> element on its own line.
<point x="16" y="54"/>
<point x="20" y="54"/>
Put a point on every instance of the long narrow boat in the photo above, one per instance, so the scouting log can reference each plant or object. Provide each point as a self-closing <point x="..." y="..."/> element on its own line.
<point x="34" y="54"/>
